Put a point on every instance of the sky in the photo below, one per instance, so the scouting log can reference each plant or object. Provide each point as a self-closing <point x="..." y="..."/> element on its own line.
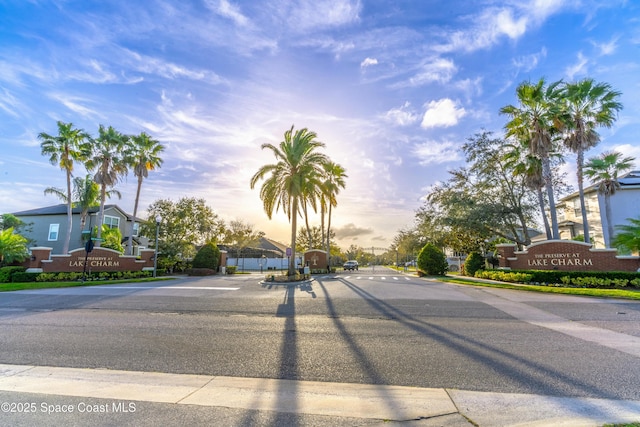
<point x="392" y="88"/>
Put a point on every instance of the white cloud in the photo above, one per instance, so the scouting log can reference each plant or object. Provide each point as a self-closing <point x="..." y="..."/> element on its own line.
<point x="433" y="152"/>
<point x="629" y="150"/>
<point x="442" y="113"/>
<point x="579" y="67"/>
<point x="368" y="61"/>
<point x="169" y="70"/>
<point x="529" y="62"/>
<point x="351" y="230"/>
<point x="506" y="24"/>
<point x="231" y="11"/>
<point x="303" y="15"/>
<point x="607" y="48"/>
<point x="440" y="70"/>
<point x="75" y="104"/>
<point x="402" y="116"/>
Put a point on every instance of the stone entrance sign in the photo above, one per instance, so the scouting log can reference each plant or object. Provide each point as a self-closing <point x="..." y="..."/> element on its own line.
<point x="316" y="259"/>
<point x="565" y="255"/>
<point x="99" y="259"/>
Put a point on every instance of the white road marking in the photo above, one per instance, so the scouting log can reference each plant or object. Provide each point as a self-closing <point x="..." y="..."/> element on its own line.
<point x="210" y="288"/>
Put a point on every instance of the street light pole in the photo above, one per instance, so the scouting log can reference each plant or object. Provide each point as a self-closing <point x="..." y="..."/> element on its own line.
<point x="155" y="256"/>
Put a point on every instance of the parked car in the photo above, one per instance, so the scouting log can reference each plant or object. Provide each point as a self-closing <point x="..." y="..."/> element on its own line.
<point x="351" y="265"/>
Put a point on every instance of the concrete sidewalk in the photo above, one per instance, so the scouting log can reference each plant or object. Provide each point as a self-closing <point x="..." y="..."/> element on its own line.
<point x="387" y="404"/>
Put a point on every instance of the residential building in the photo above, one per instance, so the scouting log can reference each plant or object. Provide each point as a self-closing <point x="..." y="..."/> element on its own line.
<point x="48" y="226"/>
<point x="625" y="203"/>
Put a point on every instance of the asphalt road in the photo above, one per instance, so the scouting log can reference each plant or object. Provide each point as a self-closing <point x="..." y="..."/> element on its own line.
<point x="364" y="327"/>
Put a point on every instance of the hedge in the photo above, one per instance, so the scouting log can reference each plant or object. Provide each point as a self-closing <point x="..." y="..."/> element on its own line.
<point x="579" y="279"/>
<point x="6" y="273"/>
<point x="76" y="276"/>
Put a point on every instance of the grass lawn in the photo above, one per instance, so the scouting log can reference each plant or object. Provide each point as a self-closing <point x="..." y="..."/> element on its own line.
<point x="4" y="287"/>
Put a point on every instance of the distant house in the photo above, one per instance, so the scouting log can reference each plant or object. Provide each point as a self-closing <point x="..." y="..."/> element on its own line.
<point x="264" y="247"/>
<point x="48" y="226"/>
<point x="625" y="203"/>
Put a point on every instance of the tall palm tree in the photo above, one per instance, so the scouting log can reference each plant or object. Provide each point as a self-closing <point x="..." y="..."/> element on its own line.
<point x="108" y="160"/>
<point x="603" y="171"/>
<point x="312" y="194"/>
<point x="587" y="105"/>
<point x="335" y="176"/>
<point x="144" y="156"/>
<point x="532" y="123"/>
<point x="287" y="181"/>
<point x="85" y="195"/>
<point x="69" y="146"/>
<point x="529" y="166"/>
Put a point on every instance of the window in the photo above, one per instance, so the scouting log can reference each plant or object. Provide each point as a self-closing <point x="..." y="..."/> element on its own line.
<point x="53" y="232"/>
<point x="136" y="229"/>
<point x="577" y="209"/>
<point x="112" y="221"/>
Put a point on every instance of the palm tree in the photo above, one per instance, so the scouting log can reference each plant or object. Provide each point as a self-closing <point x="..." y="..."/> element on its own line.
<point x="529" y="166"/>
<point x="335" y="176"/>
<point x="629" y="235"/>
<point x="298" y="162"/>
<point x="86" y="194"/>
<point x="108" y="160"/>
<point x="532" y="124"/>
<point x="144" y="157"/>
<point x="64" y="149"/>
<point x="587" y="105"/>
<point x="603" y="171"/>
<point x="312" y="194"/>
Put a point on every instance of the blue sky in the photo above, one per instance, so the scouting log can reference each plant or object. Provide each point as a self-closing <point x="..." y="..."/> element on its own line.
<point x="393" y="88"/>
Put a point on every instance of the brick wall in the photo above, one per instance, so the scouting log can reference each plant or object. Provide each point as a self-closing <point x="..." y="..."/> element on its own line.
<point x="565" y="255"/>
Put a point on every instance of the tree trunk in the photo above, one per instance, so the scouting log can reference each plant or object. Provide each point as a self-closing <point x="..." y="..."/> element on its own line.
<point x="583" y="206"/>
<point x="133" y="222"/>
<point x="607" y="211"/>
<point x="545" y="220"/>
<point x="67" y="237"/>
<point x="546" y="172"/>
<point x="329" y="236"/>
<point x="306" y="221"/>
<point x="322" y="222"/>
<point x="103" y="196"/>
<point x="294" y="224"/>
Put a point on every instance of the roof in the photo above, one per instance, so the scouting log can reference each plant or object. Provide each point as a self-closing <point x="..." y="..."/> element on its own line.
<point x="61" y="209"/>
<point x="272" y="245"/>
<point x="629" y="180"/>
<point x="632" y="178"/>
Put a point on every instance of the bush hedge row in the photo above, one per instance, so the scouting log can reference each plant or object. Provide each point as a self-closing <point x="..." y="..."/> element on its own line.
<point x="578" y="279"/>
<point x="19" y="275"/>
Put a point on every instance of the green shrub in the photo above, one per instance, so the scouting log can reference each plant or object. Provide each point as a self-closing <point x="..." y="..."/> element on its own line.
<point x="231" y="269"/>
<point x="473" y="263"/>
<point x="207" y="257"/>
<point x="7" y="272"/>
<point x="432" y="261"/>
<point x="582" y="279"/>
<point x="504" y="276"/>
<point x="200" y="271"/>
<point x="23" y="276"/>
